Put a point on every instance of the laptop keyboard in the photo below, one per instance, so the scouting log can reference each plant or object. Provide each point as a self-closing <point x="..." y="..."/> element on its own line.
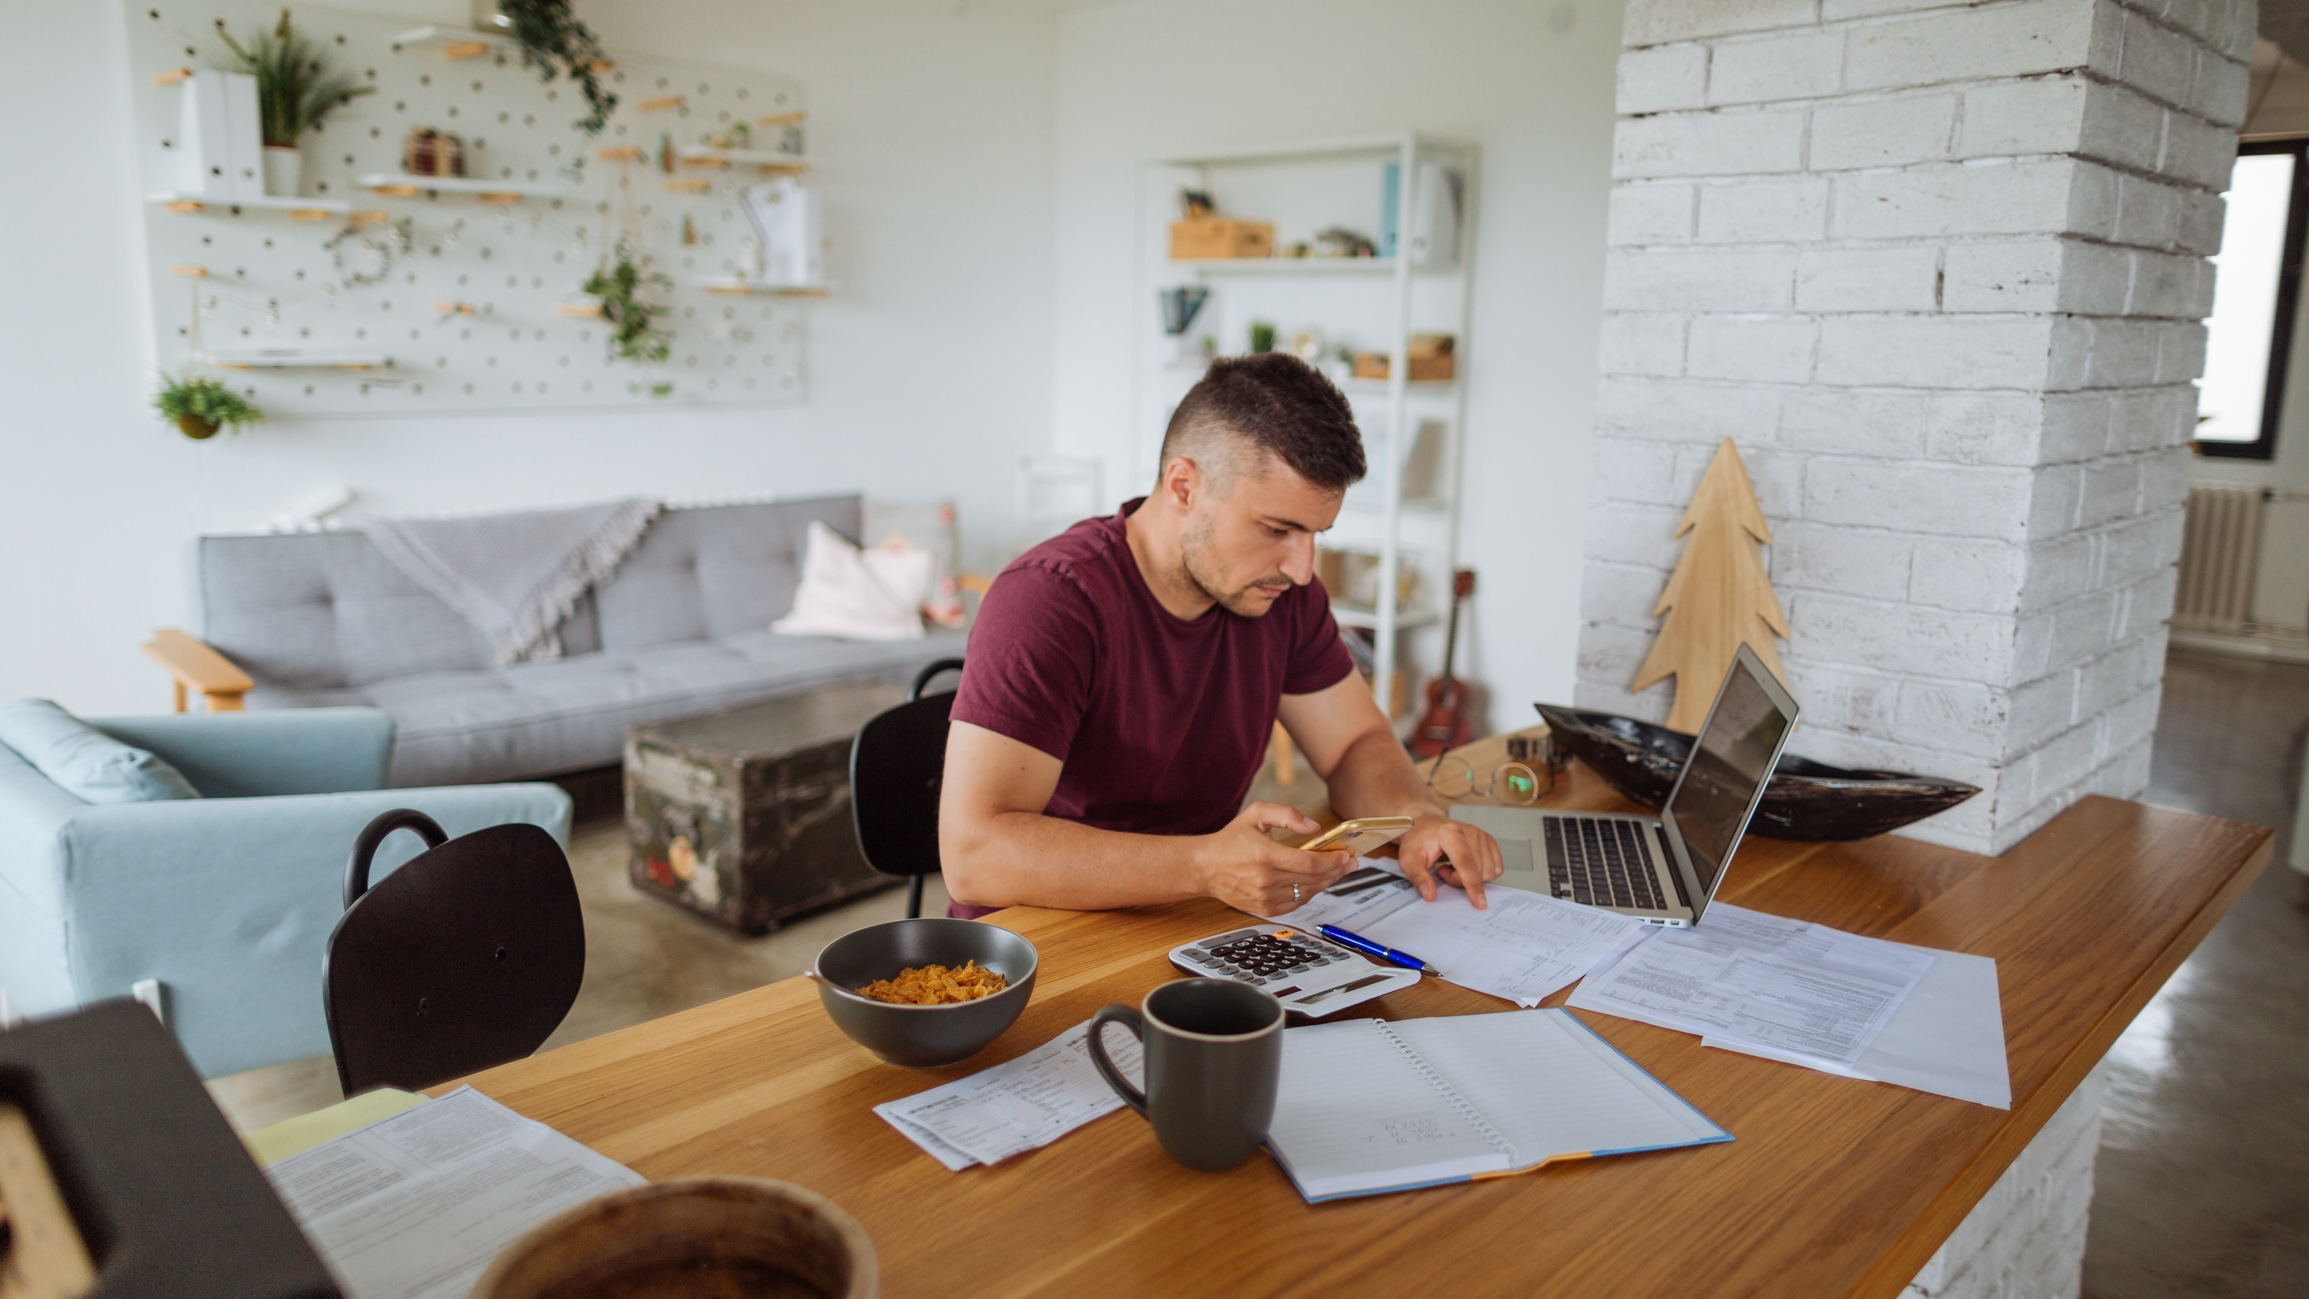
<point x="1603" y="863"/>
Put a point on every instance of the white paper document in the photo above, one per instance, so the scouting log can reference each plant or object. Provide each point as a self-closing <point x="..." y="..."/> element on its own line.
<point x="1524" y="946"/>
<point x="1375" y="888"/>
<point x="1743" y="976"/>
<point x="1947" y="1038"/>
<point x="415" y="1206"/>
<point x="1018" y="1105"/>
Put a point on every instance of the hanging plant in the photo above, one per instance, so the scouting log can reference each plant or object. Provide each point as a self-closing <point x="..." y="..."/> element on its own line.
<point x="295" y="89"/>
<point x="202" y="406"/>
<point x="554" y="42"/>
<point x="634" y="334"/>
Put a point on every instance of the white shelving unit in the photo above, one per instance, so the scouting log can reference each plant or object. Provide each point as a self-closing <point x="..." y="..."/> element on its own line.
<point x="1374" y="303"/>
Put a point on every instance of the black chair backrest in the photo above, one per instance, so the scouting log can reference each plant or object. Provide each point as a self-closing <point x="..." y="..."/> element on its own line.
<point x="896" y="765"/>
<point x="466" y="957"/>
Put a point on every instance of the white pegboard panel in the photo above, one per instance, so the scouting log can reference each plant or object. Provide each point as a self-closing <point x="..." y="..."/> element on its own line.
<point x="470" y="312"/>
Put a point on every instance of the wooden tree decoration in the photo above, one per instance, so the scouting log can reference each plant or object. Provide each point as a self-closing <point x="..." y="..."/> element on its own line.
<point x="1718" y="597"/>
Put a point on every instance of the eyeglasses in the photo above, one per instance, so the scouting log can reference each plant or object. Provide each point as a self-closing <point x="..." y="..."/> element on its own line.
<point x="1528" y="774"/>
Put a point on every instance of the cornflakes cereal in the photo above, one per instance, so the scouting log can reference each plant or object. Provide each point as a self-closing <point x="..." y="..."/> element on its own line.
<point x="936" y="985"/>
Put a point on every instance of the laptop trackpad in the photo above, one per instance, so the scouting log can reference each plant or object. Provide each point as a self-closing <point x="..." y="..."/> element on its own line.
<point x="1516" y="853"/>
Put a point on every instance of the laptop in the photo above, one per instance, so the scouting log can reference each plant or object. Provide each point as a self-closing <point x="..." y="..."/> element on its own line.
<point x="1661" y="869"/>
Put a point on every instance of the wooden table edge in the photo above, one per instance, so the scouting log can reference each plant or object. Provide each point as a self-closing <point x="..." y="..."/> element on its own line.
<point x="1899" y="1266"/>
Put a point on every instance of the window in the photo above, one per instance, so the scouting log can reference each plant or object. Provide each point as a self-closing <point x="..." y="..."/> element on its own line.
<point x="2255" y="295"/>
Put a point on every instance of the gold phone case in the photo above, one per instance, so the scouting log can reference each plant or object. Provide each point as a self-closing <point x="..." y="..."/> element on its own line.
<point x="1360" y="837"/>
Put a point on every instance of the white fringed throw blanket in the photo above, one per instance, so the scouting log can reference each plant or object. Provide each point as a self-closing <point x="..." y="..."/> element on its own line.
<point x="516" y="576"/>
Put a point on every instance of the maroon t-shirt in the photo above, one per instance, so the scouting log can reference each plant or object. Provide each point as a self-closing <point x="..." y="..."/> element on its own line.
<point x="1160" y="723"/>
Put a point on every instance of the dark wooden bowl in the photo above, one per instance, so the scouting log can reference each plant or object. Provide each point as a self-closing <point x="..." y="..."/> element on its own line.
<point x="1806" y="799"/>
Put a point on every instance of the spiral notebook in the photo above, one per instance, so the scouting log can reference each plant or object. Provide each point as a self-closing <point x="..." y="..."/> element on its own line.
<point x="1368" y="1106"/>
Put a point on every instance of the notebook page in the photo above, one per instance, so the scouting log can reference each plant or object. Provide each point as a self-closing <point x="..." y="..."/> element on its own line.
<point x="1551" y="1087"/>
<point x="1354" y="1113"/>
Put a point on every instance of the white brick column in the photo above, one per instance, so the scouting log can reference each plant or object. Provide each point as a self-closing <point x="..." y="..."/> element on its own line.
<point x="1939" y="270"/>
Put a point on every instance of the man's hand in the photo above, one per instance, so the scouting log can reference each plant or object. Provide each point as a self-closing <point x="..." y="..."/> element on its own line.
<point x="1245" y="869"/>
<point x="1439" y="848"/>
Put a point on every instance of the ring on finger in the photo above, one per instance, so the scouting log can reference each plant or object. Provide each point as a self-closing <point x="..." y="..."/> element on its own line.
<point x="1294" y="893"/>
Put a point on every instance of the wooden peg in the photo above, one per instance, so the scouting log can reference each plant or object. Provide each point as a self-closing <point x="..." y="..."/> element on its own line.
<point x="184" y="205"/>
<point x="398" y="191"/>
<point x="499" y="199"/>
<point x="690" y="184"/>
<point x="464" y="49"/>
<point x="579" y="309"/>
<point x="189" y="272"/>
<point x="660" y="104"/>
<point x="368" y="218"/>
<point x="623" y="153"/>
<point x="310" y="214"/>
<point x="783" y="119"/>
<point x="172" y="76"/>
<point x="448" y="308"/>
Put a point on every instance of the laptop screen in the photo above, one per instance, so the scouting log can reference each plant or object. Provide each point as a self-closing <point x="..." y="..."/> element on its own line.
<point x="1729" y="766"/>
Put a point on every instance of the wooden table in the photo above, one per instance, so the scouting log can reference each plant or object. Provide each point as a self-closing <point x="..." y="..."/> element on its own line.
<point x="1832" y="1187"/>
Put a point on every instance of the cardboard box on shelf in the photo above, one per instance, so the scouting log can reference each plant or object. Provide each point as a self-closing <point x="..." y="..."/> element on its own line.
<point x="1221" y="237"/>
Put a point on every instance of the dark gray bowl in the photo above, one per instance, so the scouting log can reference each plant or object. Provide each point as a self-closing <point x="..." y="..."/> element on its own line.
<point x="1806" y="799"/>
<point x="924" y="1037"/>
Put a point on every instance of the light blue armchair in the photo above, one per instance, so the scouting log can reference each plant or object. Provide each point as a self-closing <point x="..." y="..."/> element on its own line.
<point x="227" y="900"/>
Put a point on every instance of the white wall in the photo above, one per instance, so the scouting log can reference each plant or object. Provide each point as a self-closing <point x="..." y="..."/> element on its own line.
<point x="1531" y="83"/>
<point x="930" y="369"/>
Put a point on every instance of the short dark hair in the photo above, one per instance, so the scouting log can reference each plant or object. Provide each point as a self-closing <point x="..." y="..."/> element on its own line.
<point x="1271" y="402"/>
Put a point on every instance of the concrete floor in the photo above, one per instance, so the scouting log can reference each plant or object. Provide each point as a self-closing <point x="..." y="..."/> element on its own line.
<point x="2203" y="1181"/>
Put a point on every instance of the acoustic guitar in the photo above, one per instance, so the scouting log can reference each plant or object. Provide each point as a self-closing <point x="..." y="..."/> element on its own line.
<point x="1447" y="724"/>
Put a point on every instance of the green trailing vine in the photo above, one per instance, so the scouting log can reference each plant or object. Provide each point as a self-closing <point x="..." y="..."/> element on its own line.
<point x="295" y="89"/>
<point x="554" y="42"/>
<point x="634" y="334"/>
<point x="202" y="406"/>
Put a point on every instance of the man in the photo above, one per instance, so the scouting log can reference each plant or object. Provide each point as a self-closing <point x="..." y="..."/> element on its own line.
<point x="1123" y="679"/>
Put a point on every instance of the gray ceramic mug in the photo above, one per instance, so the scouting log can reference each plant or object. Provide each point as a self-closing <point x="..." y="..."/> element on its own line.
<point x="1214" y="1055"/>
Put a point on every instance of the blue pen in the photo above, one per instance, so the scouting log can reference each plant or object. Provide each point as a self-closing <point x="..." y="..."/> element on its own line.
<point x="1380" y="950"/>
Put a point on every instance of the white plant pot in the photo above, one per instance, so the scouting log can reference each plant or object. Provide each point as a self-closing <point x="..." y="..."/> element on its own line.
<point x="284" y="169"/>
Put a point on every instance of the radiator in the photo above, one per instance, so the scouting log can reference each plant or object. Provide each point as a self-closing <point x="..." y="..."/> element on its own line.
<point x="2219" y="551"/>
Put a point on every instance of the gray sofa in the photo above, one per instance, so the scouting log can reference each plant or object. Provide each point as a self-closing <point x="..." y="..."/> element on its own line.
<point x="321" y="619"/>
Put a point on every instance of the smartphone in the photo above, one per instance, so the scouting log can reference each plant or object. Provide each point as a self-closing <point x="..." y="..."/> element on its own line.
<point x="1360" y="837"/>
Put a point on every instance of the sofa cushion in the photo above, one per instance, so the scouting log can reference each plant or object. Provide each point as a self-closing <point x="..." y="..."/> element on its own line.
<point x="570" y="714"/>
<point x="714" y="571"/>
<point x="85" y="762"/>
<point x="855" y="594"/>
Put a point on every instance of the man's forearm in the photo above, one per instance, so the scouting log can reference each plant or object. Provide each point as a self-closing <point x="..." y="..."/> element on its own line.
<point x="1375" y="778"/>
<point x="1015" y="858"/>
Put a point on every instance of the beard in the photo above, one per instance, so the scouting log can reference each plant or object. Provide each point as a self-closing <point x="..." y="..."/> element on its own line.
<point x="1248" y="600"/>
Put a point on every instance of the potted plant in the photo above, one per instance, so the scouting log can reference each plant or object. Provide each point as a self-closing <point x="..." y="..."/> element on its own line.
<point x="554" y="42"/>
<point x="295" y="92"/>
<point x="633" y="331"/>
<point x="202" y="406"/>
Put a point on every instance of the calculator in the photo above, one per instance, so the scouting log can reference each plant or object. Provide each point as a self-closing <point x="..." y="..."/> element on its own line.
<point x="1310" y="975"/>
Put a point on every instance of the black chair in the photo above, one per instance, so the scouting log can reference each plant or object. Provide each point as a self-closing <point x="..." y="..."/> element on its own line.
<point x="466" y="957"/>
<point x="896" y="766"/>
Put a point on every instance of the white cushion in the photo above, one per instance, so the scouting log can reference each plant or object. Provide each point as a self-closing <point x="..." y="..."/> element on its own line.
<point x="858" y="594"/>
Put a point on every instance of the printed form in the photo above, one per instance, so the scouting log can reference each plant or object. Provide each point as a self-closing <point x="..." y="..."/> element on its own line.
<point x="1743" y="976"/>
<point x="1523" y="947"/>
<point x="415" y="1206"/>
<point x="1018" y="1105"/>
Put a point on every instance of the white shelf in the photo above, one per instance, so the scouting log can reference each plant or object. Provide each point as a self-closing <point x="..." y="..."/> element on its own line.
<point x="1287" y="265"/>
<point x="1368" y="619"/>
<point x="1345" y="145"/>
<point x="318" y="207"/>
<point x="732" y="284"/>
<point x="294" y="358"/>
<point x="705" y="153"/>
<point x="386" y="182"/>
<point x="456" y="42"/>
<point x="1378" y="387"/>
